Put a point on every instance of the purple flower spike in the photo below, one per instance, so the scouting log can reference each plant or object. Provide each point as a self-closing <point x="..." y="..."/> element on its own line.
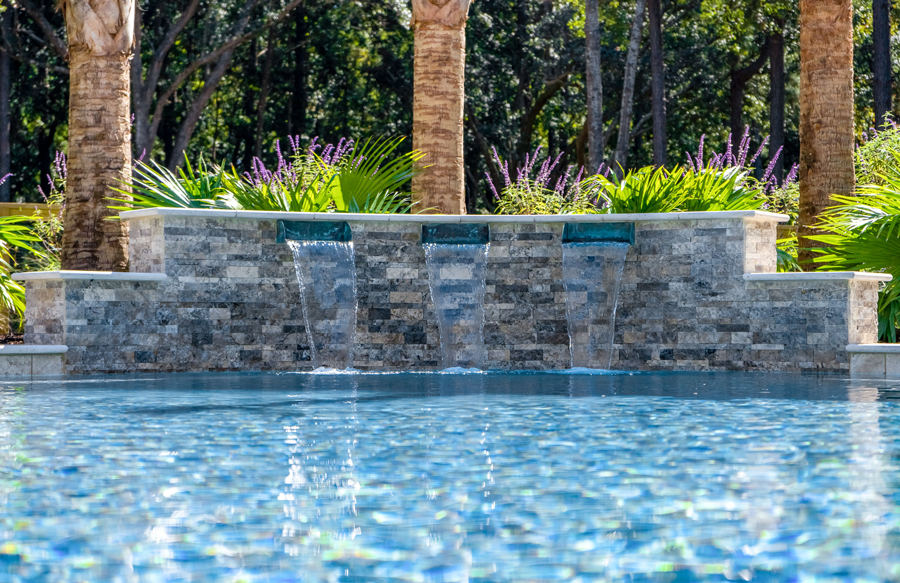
<point x="493" y="188"/>
<point x="690" y="162"/>
<point x="792" y="175"/>
<point x="771" y="167"/>
<point x="759" y="151"/>
<point x="700" y="153"/>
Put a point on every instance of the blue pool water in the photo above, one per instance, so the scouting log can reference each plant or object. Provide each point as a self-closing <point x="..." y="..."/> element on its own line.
<point x="438" y="477"/>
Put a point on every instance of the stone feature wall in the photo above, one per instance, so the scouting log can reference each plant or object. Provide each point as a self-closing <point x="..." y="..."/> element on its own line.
<point x="232" y="300"/>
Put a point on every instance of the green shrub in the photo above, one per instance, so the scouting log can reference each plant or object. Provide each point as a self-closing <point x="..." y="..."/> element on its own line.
<point x="153" y="185"/>
<point x="350" y="177"/>
<point x="876" y="156"/>
<point x="863" y="234"/>
<point x="647" y="190"/>
<point x="532" y="195"/>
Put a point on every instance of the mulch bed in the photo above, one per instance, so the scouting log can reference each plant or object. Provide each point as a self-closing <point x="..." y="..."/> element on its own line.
<point x="12" y="339"/>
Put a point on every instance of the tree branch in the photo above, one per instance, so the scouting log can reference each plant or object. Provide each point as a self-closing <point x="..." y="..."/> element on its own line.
<point x="159" y="55"/>
<point x="486" y="153"/>
<point x="226" y="47"/>
<point x="29" y="61"/>
<point x="61" y="49"/>
<point x="529" y="119"/>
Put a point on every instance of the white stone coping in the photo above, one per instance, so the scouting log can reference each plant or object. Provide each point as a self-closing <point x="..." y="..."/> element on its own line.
<point x="88" y="276"/>
<point x="604" y="218"/>
<point x="874" y="348"/>
<point x="23" y="349"/>
<point x="818" y="276"/>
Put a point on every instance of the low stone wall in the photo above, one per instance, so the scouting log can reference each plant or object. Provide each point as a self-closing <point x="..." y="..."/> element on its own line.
<point x="228" y="298"/>
<point x="17" y="360"/>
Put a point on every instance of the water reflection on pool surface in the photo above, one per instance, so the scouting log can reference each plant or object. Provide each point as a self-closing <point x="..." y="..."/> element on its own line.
<point x="440" y="477"/>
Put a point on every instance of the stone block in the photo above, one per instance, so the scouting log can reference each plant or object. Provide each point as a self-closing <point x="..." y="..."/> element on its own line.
<point x="867" y="365"/>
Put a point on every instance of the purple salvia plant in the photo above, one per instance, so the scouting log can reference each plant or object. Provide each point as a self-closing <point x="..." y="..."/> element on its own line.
<point x="562" y="181"/>
<point x="493" y="188"/>
<point x="578" y="179"/>
<point x="699" y="163"/>
<point x="542" y="178"/>
<point x="759" y="151"/>
<point x="743" y="148"/>
<point x="792" y="175"/>
<point x="504" y="168"/>
<point x="728" y="157"/>
<point x="771" y="167"/>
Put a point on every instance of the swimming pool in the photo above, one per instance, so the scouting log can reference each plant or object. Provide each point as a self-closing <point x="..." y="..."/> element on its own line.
<point x="450" y="477"/>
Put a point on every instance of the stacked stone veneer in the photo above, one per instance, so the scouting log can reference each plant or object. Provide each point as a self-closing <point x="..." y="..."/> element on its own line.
<point x="231" y="299"/>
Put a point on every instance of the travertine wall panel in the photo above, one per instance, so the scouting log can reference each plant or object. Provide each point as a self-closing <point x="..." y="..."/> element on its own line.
<point x="232" y="302"/>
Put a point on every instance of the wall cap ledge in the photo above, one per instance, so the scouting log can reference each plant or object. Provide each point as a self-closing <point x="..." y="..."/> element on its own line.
<point x="818" y="276"/>
<point x="88" y="276"/>
<point x="874" y="348"/>
<point x="19" y="349"/>
<point x="597" y="218"/>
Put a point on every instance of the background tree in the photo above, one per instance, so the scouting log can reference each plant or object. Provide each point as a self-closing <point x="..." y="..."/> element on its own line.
<point x="658" y="82"/>
<point x="5" y="100"/>
<point x="594" y="85"/>
<point x="881" y="62"/>
<point x="826" y="111"/>
<point x="630" y="73"/>
<point x="344" y="68"/>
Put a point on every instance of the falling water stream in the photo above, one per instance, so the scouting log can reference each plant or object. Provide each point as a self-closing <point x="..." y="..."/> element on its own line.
<point x="591" y="276"/>
<point x="326" y="271"/>
<point x="456" y="275"/>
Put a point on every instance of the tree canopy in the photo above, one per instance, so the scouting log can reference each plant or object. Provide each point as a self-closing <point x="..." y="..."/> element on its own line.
<point x="227" y="79"/>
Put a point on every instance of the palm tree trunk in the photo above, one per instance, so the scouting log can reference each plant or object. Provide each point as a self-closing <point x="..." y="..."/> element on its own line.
<point x="826" y="111"/>
<point x="881" y="69"/>
<point x="657" y="83"/>
<point x="594" y="85"/>
<point x="631" y="59"/>
<point x="100" y="35"/>
<point x="438" y="101"/>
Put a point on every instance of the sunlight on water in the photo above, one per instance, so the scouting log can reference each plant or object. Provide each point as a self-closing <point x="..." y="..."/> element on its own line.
<point x="443" y="477"/>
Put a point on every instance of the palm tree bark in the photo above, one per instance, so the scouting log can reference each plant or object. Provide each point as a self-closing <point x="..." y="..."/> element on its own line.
<point x="594" y="85"/>
<point x="657" y="83"/>
<point x="100" y="35"/>
<point x="776" y="97"/>
<point x="826" y="112"/>
<point x="881" y="67"/>
<point x="438" y="101"/>
<point x="630" y="74"/>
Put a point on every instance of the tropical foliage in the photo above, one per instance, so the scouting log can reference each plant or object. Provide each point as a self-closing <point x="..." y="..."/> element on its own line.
<point x="532" y="195"/>
<point x="722" y="183"/>
<point x="862" y="232"/>
<point x="366" y="177"/>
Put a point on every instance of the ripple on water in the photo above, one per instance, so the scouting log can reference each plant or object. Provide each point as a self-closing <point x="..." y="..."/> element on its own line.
<point x="482" y="477"/>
